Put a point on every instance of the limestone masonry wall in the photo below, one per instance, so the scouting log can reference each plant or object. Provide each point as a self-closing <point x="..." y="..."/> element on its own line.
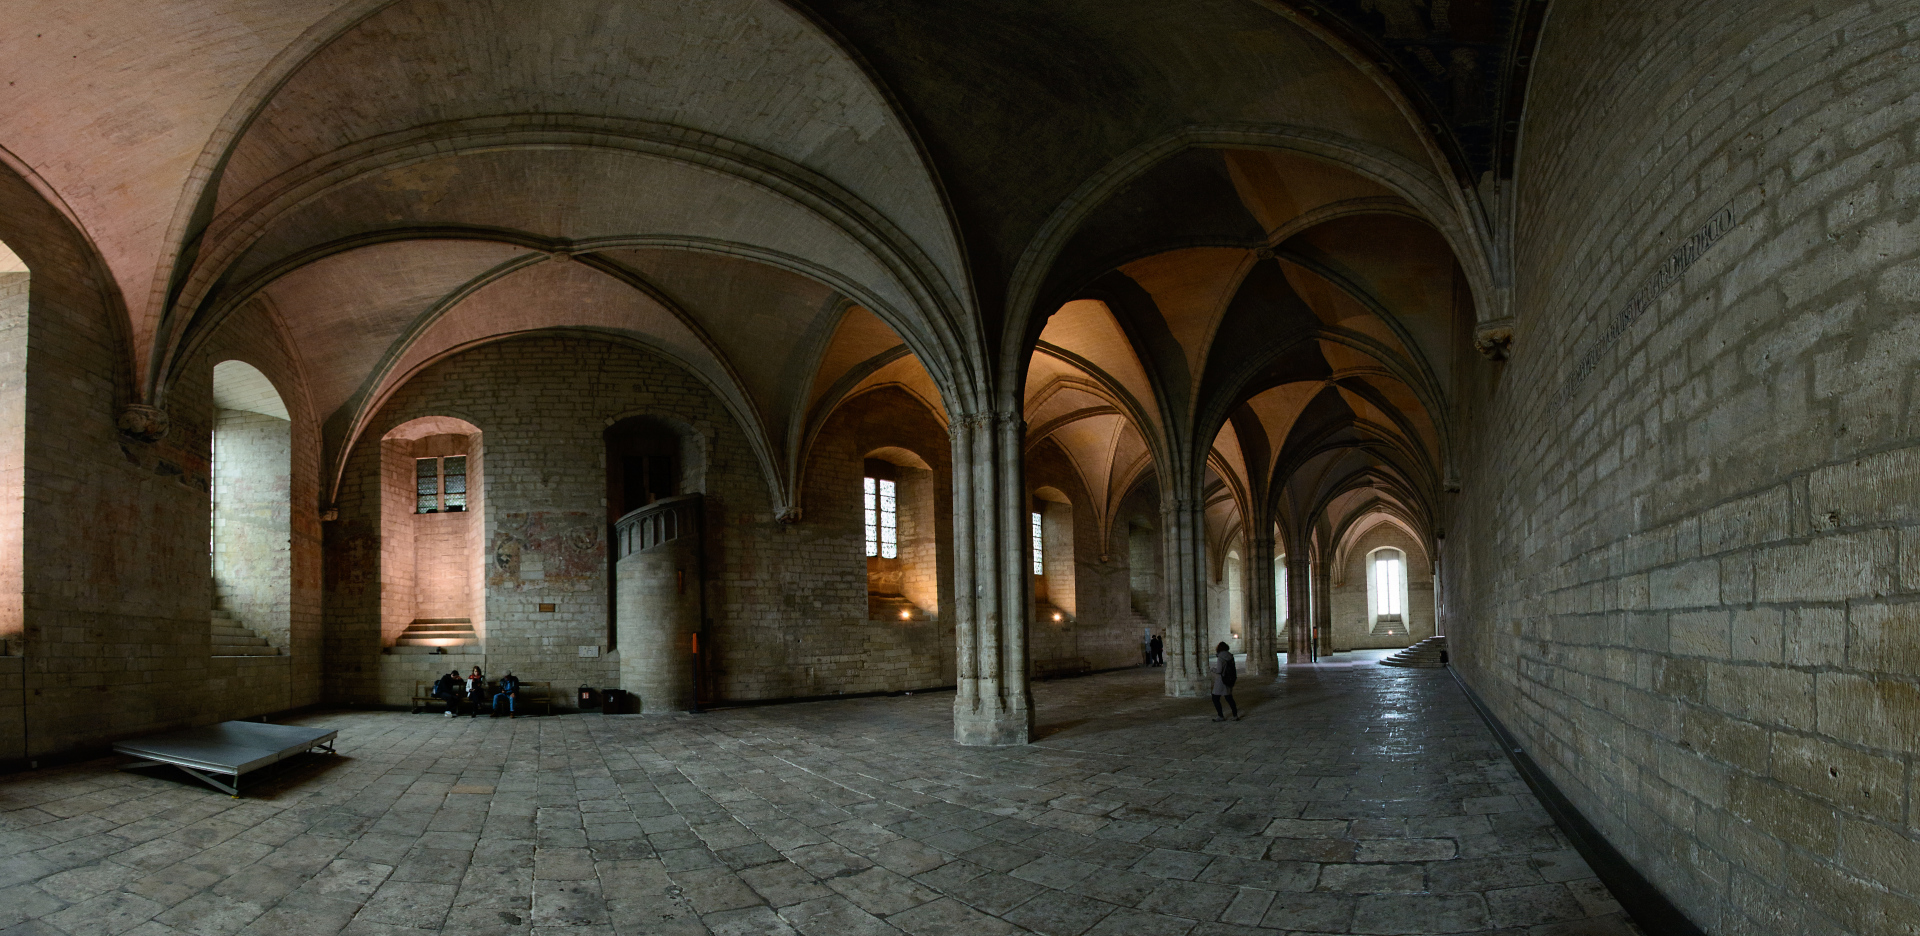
<point x="1685" y="569"/>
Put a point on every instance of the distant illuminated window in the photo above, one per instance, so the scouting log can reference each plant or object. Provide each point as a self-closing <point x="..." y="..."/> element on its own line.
<point x="883" y="519"/>
<point x="1038" y="565"/>
<point x="1389" y="578"/>
<point x="440" y="484"/>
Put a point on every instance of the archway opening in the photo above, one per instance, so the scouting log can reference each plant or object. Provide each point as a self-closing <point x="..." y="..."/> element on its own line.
<point x="433" y="561"/>
<point x="898" y="536"/>
<point x="1055" y="591"/>
<point x="251" y="542"/>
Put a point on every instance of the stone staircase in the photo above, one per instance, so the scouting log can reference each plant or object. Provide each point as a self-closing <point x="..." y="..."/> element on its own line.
<point x="1425" y="654"/>
<point x="232" y="638"/>
<point x="436" y="635"/>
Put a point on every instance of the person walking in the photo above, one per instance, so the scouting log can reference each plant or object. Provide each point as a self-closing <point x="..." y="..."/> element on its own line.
<point x="1158" y="648"/>
<point x="1223" y="679"/>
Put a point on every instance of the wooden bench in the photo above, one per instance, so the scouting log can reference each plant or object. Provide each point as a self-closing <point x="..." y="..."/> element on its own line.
<point x="532" y="695"/>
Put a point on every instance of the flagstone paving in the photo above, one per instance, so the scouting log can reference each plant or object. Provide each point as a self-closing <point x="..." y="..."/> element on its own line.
<point x="1355" y="799"/>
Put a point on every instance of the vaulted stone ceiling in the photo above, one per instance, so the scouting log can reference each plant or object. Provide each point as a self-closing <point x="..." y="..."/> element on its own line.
<point x="1281" y="325"/>
<point x="1241" y="248"/>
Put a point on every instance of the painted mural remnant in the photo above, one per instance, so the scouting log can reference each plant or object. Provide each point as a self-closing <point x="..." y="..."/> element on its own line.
<point x="548" y="550"/>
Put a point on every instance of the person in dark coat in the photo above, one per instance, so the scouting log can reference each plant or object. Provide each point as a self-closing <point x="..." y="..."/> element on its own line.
<point x="476" y="691"/>
<point x="1223" y="679"/>
<point x="1158" y="647"/>
<point x="450" y="690"/>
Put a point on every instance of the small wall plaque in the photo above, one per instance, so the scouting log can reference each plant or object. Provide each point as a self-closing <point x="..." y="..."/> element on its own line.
<point x="593" y="651"/>
<point x="546" y="609"/>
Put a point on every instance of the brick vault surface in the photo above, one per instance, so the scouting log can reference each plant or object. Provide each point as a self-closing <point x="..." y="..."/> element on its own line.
<point x="1350" y="800"/>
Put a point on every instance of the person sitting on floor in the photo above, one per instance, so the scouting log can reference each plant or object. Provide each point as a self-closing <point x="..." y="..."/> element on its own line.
<point x="449" y="690"/>
<point x="510" y="691"/>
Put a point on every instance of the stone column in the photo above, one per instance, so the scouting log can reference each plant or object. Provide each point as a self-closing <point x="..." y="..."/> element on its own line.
<point x="1299" y="607"/>
<point x="1323" y="605"/>
<point x="992" y="576"/>
<point x="1262" y="622"/>
<point x="1183" y="540"/>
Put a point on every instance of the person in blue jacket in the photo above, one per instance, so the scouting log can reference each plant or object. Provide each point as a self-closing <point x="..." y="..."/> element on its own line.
<point x="510" y="692"/>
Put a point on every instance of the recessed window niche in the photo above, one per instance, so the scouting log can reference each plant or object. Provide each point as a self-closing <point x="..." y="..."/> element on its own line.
<point x="433" y="530"/>
<point x="903" y="575"/>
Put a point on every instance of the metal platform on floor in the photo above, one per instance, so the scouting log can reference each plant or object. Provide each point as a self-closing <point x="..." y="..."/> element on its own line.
<point x="229" y="749"/>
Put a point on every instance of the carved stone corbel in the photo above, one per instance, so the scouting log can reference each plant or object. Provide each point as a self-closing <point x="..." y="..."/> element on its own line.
<point x="1494" y="340"/>
<point x="143" y="422"/>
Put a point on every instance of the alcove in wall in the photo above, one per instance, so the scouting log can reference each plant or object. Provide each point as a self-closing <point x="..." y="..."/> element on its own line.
<point x="14" y="282"/>
<point x="432" y="536"/>
<point x="251" y="542"/>
<point x="1056" y="600"/>
<point x="902" y="549"/>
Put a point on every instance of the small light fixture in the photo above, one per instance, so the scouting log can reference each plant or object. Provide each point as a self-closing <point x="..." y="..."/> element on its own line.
<point x="1056" y="615"/>
<point x="906" y="615"/>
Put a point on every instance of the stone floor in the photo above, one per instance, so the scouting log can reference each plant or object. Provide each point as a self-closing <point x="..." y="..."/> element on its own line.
<point x="1351" y="799"/>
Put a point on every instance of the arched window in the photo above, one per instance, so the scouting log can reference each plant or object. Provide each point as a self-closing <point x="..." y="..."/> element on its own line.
<point x="1387" y="590"/>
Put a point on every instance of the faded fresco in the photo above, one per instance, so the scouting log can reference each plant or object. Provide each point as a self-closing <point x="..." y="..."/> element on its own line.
<point x="549" y="551"/>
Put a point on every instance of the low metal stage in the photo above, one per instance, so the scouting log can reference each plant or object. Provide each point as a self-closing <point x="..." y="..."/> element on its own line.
<point x="228" y="749"/>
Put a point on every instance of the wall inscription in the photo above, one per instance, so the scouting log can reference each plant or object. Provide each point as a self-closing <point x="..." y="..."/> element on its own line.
<point x="1669" y="272"/>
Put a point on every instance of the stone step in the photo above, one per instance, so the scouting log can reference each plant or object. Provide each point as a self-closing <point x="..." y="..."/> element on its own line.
<point x="415" y="640"/>
<point x="223" y="641"/>
<point x="231" y="630"/>
<point x="1423" y="655"/>
<point x="221" y="650"/>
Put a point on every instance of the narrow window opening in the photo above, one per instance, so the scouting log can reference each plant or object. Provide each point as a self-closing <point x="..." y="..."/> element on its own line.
<point x="1039" y="563"/>
<point x="1387" y="591"/>
<point x="883" y="518"/>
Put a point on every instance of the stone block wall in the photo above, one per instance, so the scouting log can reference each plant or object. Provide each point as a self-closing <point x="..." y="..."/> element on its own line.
<point x="114" y="620"/>
<point x="1684" y="567"/>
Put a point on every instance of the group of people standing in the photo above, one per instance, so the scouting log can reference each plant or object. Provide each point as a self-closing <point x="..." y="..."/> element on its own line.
<point x="1153" y="649"/>
<point x="471" y="693"/>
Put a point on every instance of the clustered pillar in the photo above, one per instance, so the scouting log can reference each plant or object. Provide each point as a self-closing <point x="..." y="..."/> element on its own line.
<point x="1261" y="620"/>
<point x="1299" y="605"/>
<point x="991" y="578"/>
<point x="1184" y="540"/>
